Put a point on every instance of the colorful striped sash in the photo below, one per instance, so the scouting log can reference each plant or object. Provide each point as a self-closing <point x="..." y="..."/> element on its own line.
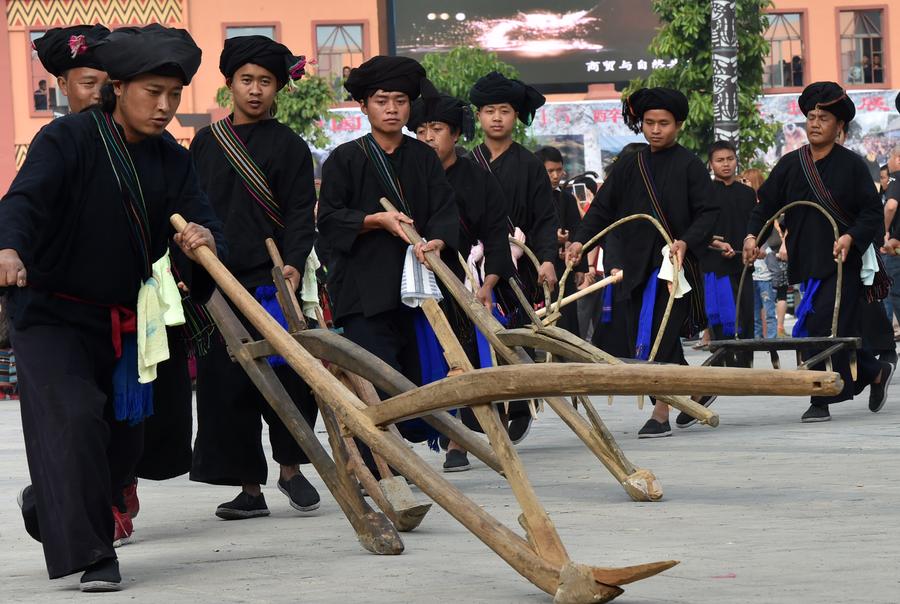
<point x="384" y="171"/>
<point x="130" y="186"/>
<point x="697" y="316"/>
<point x="250" y="173"/>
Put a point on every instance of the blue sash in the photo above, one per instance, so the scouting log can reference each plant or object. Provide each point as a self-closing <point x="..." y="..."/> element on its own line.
<point x="265" y="295"/>
<point x="132" y="401"/>
<point x="720" y="308"/>
<point x="645" y="323"/>
<point x="806" y="308"/>
<point x="607" y="309"/>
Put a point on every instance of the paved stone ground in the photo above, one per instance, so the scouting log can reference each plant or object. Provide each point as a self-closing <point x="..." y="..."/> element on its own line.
<point x="763" y="508"/>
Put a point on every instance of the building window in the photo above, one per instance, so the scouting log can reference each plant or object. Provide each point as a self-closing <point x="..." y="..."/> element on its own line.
<point x="250" y="30"/>
<point x="784" y="65"/>
<point x="339" y="48"/>
<point x="862" y="46"/>
<point x="44" y="93"/>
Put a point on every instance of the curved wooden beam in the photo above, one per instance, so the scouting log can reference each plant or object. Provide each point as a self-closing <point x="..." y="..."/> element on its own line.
<point x="513" y="382"/>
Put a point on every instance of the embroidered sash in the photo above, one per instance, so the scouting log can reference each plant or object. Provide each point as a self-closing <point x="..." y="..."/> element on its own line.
<point x="252" y="176"/>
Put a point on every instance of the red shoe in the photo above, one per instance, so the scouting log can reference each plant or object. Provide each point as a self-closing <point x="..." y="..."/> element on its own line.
<point x="124" y="527"/>
<point x="132" y="505"/>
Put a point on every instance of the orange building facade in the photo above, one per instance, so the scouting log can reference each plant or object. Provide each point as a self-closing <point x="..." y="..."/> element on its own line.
<point x="337" y="33"/>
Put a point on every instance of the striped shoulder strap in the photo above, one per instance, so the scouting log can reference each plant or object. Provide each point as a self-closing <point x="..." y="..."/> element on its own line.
<point x="822" y="194"/>
<point x="381" y="165"/>
<point x="250" y="173"/>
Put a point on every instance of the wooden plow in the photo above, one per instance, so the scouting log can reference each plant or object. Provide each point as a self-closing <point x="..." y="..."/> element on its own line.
<point x="821" y="349"/>
<point x="344" y="401"/>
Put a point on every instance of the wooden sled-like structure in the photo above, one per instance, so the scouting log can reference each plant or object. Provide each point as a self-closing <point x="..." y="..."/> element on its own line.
<point x="541" y="556"/>
<point x="821" y="349"/>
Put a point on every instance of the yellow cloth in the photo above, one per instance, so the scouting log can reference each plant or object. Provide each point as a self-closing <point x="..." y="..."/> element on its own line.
<point x="158" y="306"/>
<point x="309" y="287"/>
<point x="665" y="273"/>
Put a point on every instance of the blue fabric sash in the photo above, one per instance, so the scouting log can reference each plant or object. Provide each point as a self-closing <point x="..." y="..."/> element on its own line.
<point x="642" y="343"/>
<point x="806" y="308"/>
<point x="607" y="309"/>
<point x="433" y="367"/>
<point x="265" y="295"/>
<point x="720" y="308"/>
<point x="132" y="401"/>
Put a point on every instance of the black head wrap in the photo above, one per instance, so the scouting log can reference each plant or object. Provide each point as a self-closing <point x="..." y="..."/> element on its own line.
<point x="391" y="74"/>
<point x="265" y="52"/>
<point x="65" y="48"/>
<point x="128" y="52"/>
<point x="647" y="99"/>
<point x="830" y="97"/>
<point x="452" y="111"/>
<point x="495" y="88"/>
<point x="897" y="101"/>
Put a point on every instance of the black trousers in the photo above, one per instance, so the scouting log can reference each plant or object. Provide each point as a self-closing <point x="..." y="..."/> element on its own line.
<point x="613" y="337"/>
<point x="877" y="329"/>
<point x="79" y="457"/>
<point x="168" y="432"/>
<point x="745" y="308"/>
<point x="228" y="449"/>
<point x="818" y="324"/>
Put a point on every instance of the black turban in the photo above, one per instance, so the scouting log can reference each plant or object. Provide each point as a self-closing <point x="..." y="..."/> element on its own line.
<point x="262" y="51"/>
<point x="131" y="51"/>
<point x="897" y="101"/>
<point x="65" y="48"/>
<point x="495" y="88"/>
<point x="647" y="99"/>
<point x="830" y="97"/>
<point x="450" y="110"/>
<point x="391" y="74"/>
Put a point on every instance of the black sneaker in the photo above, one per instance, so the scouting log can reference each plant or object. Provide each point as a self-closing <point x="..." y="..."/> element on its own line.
<point x="878" y="392"/>
<point x="29" y="512"/>
<point x="243" y="506"/>
<point x="816" y="414"/>
<point x="457" y="461"/>
<point x="302" y="496"/>
<point x="102" y="576"/>
<point x="655" y="429"/>
<point x="686" y="421"/>
<point x="519" y="428"/>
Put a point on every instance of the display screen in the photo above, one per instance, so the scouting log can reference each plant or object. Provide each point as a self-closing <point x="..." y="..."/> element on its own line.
<point x="550" y="43"/>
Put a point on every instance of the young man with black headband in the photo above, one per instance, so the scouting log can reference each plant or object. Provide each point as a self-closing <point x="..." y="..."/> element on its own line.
<point x="230" y="156"/>
<point x="529" y="199"/>
<point x="81" y="229"/>
<point x="838" y="180"/>
<point x="483" y="230"/>
<point x="66" y="53"/>
<point x="368" y="247"/>
<point x="670" y="183"/>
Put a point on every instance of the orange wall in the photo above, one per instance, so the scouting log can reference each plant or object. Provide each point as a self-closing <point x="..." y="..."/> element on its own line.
<point x="822" y="38"/>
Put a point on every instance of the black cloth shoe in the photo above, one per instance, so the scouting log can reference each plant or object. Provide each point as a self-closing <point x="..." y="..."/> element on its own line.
<point x="686" y="421"/>
<point x="302" y="496"/>
<point x="878" y="392"/>
<point x="102" y="576"/>
<point x="29" y="512"/>
<point x="519" y="428"/>
<point x="457" y="461"/>
<point x="655" y="429"/>
<point x="816" y="414"/>
<point x="243" y="506"/>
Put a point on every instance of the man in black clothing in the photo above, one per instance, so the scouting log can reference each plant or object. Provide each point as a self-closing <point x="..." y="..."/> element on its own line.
<point x="838" y="179"/>
<point x="722" y="265"/>
<point x="529" y="204"/>
<point x="80" y="227"/>
<point x="670" y="183"/>
<point x="66" y="53"/>
<point x="230" y="156"/>
<point x="483" y="226"/>
<point x="568" y="217"/>
<point x="368" y="247"/>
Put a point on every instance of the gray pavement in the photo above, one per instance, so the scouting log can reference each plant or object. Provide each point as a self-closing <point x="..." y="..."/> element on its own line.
<point x="763" y="508"/>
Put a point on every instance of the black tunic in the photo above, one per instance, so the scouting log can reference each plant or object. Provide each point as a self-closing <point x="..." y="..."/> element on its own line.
<point x="529" y="202"/>
<point x="482" y="217"/>
<point x="687" y="199"/>
<point x="365" y="268"/>
<point x="811" y="237"/>
<point x="736" y="202"/>
<point x="64" y="215"/>
<point x="286" y="161"/>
